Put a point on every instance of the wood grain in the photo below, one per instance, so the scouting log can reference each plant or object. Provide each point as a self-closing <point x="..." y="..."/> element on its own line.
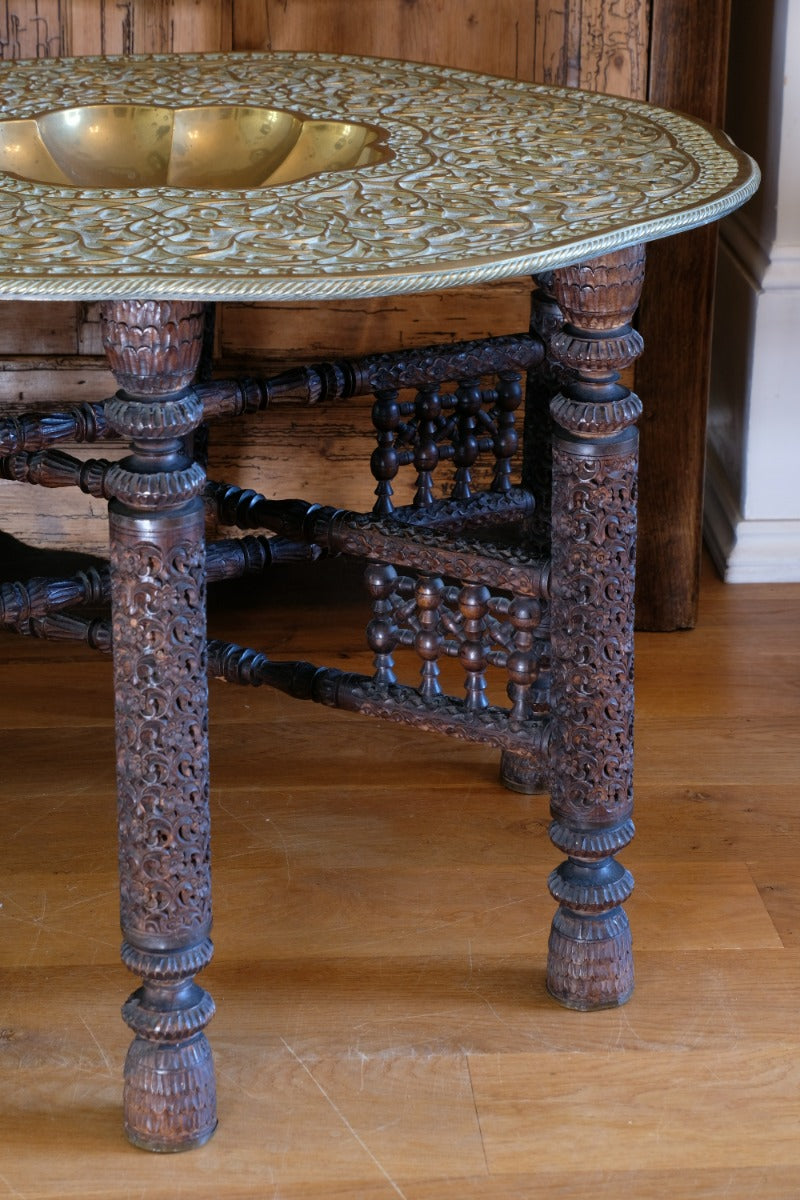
<point x="614" y="47"/>
<point x="660" y="1129"/>
<point x="673" y="374"/>
<point x="33" y="28"/>
<point x="487" y="35"/>
<point x="383" y="1028"/>
<point x="50" y="329"/>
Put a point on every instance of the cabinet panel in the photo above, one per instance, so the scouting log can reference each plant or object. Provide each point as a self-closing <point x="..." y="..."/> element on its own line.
<point x="688" y="59"/>
<point x="486" y="35"/>
<point x="47" y="28"/>
<point x="33" y="28"/>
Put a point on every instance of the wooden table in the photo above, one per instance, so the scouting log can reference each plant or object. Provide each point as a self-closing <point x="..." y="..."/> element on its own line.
<point x="391" y="178"/>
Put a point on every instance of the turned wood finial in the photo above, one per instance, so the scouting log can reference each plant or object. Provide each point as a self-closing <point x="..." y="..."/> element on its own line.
<point x="597" y="342"/>
<point x="153" y="346"/>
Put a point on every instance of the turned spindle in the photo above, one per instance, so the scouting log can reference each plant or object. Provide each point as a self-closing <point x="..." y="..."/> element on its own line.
<point x="518" y="772"/>
<point x="429" y="594"/>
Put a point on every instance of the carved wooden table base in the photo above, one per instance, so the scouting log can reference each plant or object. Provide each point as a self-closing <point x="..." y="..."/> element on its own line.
<point x="468" y="180"/>
<point x="158" y="620"/>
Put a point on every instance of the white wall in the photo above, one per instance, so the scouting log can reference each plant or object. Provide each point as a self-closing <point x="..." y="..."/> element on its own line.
<point x="752" y="521"/>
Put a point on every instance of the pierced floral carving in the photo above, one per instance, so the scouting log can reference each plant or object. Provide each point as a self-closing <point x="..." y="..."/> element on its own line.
<point x="594" y="536"/>
<point x="162" y="758"/>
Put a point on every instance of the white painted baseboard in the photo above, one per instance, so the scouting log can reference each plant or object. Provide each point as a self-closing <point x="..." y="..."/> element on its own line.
<point x="775" y="267"/>
<point x="747" y="551"/>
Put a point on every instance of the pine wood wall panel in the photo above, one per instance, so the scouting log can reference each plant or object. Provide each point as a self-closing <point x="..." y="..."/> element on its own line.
<point x="250" y="25"/>
<point x="557" y="42"/>
<point x="147" y="26"/>
<point x="350" y="327"/>
<point x="614" y="47"/>
<point x="48" y="328"/>
<point x="592" y="44"/>
<point x="47" y="28"/>
<point x="32" y="28"/>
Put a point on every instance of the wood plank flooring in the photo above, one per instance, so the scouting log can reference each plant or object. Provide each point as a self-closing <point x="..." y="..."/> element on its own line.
<point x="381" y="927"/>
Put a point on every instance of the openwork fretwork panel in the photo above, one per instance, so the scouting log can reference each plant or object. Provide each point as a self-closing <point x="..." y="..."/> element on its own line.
<point x="451" y="428"/>
<point x="496" y="639"/>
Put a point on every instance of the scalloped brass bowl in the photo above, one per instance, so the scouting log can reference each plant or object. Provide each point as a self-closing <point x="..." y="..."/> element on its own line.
<point x="210" y="146"/>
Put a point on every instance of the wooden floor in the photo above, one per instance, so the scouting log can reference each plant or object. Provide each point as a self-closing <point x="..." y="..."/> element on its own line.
<point x="381" y="923"/>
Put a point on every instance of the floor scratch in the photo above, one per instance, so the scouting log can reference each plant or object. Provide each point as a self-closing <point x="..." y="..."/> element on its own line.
<point x="101" y="1051"/>
<point x="12" y="1191"/>
<point x="38" y="923"/>
<point x="477" y="1116"/>
<point x="263" y="843"/>
<point x="344" y="1120"/>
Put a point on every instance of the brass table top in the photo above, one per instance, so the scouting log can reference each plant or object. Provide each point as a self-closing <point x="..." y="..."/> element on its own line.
<point x="308" y="177"/>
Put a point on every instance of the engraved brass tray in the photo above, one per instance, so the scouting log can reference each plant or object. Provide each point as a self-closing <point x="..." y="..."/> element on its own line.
<point x="314" y="176"/>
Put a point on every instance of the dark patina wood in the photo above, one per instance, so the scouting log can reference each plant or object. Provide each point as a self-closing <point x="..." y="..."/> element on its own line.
<point x="536" y="581"/>
<point x="591" y="607"/>
<point x="674" y="374"/>
<point x="519" y="772"/>
<point x="158" y="616"/>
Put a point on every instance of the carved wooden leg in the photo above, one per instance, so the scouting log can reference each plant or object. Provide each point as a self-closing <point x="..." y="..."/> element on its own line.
<point x="158" y="613"/>
<point x="593" y="549"/>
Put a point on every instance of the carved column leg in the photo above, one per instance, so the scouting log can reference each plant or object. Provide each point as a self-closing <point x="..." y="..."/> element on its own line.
<point x="593" y="549"/>
<point x="158" y="613"/>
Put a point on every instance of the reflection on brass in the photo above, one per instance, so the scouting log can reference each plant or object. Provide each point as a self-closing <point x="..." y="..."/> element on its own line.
<point x="210" y="146"/>
<point x="471" y="178"/>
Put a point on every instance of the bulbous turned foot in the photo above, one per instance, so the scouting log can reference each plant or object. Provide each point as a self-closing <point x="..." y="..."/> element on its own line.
<point x="590" y="959"/>
<point x="519" y="773"/>
<point x="169" y="1096"/>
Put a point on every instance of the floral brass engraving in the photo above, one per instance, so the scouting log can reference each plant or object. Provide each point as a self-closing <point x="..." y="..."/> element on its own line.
<point x="487" y="178"/>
